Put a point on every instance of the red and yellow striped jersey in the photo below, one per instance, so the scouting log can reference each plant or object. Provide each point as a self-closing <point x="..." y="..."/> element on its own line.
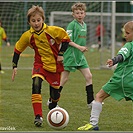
<point x="46" y="44"/>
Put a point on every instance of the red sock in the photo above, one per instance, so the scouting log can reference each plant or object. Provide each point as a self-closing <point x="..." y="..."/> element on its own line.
<point x="37" y="104"/>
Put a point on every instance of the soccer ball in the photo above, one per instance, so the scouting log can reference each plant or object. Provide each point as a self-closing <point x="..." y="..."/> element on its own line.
<point x="57" y="118"/>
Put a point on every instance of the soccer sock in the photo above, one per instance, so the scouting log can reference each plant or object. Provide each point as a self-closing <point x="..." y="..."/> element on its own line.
<point x="89" y="92"/>
<point x="95" y="112"/>
<point x="60" y="89"/>
<point x="37" y="104"/>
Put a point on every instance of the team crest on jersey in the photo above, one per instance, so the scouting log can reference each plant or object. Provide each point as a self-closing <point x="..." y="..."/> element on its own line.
<point x="125" y="50"/>
<point x="52" y="41"/>
<point x="69" y="32"/>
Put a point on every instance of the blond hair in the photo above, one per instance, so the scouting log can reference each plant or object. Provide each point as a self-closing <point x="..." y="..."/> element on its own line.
<point x="129" y="24"/>
<point x="78" y="6"/>
<point x="35" y="9"/>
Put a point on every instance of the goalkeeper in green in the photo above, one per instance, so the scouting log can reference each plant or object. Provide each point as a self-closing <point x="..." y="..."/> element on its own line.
<point x="120" y="84"/>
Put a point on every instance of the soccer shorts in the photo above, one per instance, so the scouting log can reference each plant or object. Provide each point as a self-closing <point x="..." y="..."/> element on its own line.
<point x="74" y="68"/>
<point x="114" y="88"/>
<point x="52" y="78"/>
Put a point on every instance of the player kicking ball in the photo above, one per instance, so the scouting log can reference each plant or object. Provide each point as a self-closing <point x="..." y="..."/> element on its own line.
<point x="120" y="84"/>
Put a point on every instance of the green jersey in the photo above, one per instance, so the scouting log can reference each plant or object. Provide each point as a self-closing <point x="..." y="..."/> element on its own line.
<point x="73" y="56"/>
<point x="121" y="83"/>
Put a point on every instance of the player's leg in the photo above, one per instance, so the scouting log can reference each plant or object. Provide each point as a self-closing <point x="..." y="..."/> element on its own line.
<point x="99" y="42"/>
<point x="89" y="86"/>
<point x="37" y="100"/>
<point x="54" y="82"/>
<point x="97" y="107"/>
<point x="95" y="112"/>
<point x="54" y="97"/>
<point x="64" y="79"/>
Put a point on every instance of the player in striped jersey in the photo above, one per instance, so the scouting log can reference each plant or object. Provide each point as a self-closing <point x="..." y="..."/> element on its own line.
<point x="49" y="44"/>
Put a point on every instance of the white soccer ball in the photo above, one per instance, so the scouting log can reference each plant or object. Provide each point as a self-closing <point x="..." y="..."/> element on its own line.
<point x="57" y="118"/>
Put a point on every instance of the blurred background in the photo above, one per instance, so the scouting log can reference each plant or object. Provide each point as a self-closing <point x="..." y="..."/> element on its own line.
<point x="111" y="17"/>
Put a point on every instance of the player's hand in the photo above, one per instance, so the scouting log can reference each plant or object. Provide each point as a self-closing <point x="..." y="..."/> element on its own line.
<point x="14" y="73"/>
<point x="60" y="59"/>
<point x="109" y="63"/>
<point x="83" y="48"/>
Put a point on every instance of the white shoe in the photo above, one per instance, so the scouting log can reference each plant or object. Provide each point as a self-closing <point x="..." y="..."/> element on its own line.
<point x="49" y="101"/>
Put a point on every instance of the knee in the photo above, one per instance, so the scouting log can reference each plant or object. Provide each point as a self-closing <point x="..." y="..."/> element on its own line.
<point x="100" y="96"/>
<point x="89" y="77"/>
<point x="36" y="85"/>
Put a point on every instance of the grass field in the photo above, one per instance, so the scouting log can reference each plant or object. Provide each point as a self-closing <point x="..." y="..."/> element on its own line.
<point x="16" y="110"/>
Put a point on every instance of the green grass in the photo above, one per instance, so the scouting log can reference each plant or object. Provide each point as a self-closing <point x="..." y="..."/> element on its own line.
<point x="15" y="99"/>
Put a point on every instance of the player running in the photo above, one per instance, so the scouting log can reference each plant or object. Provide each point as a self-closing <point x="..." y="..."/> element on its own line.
<point x="45" y="40"/>
<point x="120" y="84"/>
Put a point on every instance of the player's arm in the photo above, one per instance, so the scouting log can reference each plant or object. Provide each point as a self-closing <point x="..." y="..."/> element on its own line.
<point x="63" y="48"/>
<point x="5" y="38"/>
<point x="115" y="60"/>
<point x="14" y="64"/>
<point x="81" y="48"/>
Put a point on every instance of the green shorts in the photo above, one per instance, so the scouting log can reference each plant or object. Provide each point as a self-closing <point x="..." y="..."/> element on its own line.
<point x="114" y="87"/>
<point x="74" y="68"/>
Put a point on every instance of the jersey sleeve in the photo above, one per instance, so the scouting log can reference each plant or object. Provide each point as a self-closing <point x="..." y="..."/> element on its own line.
<point x="70" y="31"/>
<point x="22" y="43"/>
<point x="59" y="34"/>
<point x="125" y="51"/>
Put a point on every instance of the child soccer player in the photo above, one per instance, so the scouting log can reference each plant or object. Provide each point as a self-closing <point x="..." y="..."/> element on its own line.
<point x="120" y="84"/>
<point x="45" y="40"/>
<point x="3" y="36"/>
<point x="74" y="58"/>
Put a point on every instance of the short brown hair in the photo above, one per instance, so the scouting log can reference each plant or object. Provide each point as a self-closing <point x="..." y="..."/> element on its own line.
<point x="35" y="9"/>
<point x="78" y="6"/>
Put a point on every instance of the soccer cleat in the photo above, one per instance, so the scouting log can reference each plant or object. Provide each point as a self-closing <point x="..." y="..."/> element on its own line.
<point x="49" y="101"/>
<point x="38" y="121"/>
<point x="88" y="127"/>
<point x="51" y="104"/>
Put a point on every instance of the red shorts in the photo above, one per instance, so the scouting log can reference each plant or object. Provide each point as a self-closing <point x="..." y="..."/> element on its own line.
<point x="52" y="78"/>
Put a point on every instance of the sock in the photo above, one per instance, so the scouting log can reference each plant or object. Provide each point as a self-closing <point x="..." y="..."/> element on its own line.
<point x="37" y="104"/>
<point x="95" y="112"/>
<point x="60" y="89"/>
<point x="89" y="92"/>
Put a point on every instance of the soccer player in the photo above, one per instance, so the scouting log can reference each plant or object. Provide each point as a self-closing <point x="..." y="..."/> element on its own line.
<point x="120" y="85"/>
<point x="49" y="44"/>
<point x="100" y="31"/>
<point x="74" y="58"/>
<point x="3" y="36"/>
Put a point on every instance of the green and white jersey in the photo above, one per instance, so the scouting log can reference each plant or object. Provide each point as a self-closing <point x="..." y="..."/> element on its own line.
<point x="120" y="84"/>
<point x="73" y="56"/>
